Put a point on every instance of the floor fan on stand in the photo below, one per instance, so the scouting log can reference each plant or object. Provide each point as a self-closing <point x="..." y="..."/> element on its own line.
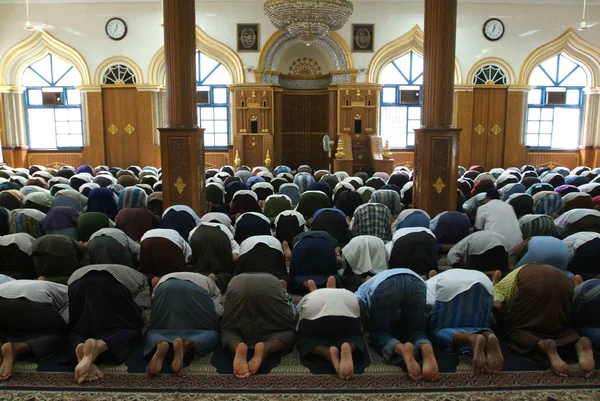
<point x="327" y="148"/>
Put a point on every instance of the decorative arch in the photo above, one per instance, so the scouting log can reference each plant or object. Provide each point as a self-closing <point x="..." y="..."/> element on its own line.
<point x="411" y="40"/>
<point x="207" y="45"/>
<point x="332" y="43"/>
<point x="571" y="44"/>
<point x="506" y="67"/>
<point x="117" y="60"/>
<point x="33" y="48"/>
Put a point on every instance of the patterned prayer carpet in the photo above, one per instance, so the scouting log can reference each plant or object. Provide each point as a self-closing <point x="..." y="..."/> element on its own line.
<point x="289" y="379"/>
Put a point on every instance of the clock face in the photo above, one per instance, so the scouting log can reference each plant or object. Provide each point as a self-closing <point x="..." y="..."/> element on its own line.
<point x="493" y="29"/>
<point x="116" y="28"/>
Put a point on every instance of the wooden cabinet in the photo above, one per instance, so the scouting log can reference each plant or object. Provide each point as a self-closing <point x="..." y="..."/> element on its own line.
<point x="121" y="126"/>
<point x="489" y="122"/>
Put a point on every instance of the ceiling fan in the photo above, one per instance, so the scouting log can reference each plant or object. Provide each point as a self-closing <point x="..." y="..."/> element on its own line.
<point x="35" y="26"/>
<point x="583" y="25"/>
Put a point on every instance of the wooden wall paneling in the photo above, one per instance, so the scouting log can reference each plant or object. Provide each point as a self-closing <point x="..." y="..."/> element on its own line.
<point x="277" y="130"/>
<point x="480" y="127"/>
<point x="216" y="159"/>
<point x="404" y="159"/>
<point x="55" y="159"/>
<point x="131" y="129"/>
<point x="94" y="152"/>
<point x="515" y="153"/>
<point x="496" y="128"/>
<point x="113" y="127"/>
<point x="464" y="119"/>
<point x="554" y="158"/>
<point x="305" y="148"/>
<point x="145" y="128"/>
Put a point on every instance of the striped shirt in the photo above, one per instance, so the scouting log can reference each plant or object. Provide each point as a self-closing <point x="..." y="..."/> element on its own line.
<point x="44" y="292"/>
<point x="133" y="280"/>
<point x="447" y="285"/>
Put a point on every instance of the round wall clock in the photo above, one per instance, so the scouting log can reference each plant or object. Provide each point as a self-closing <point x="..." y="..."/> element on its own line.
<point x="116" y="28"/>
<point x="493" y="29"/>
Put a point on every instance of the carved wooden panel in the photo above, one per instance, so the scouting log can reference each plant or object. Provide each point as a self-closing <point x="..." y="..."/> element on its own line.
<point x="404" y="159"/>
<point x="567" y="159"/>
<point x="305" y="113"/>
<point x="464" y="119"/>
<point x="179" y="170"/>
<point x="496" y="122"/>
<point x="253" y="150"/>
<point x="93" y="153"/>
<point x="480" y="129"/>
<point x="304" y="148"/>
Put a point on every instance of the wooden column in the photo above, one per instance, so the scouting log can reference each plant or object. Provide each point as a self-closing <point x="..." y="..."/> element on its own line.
<point x="437" y="142"/>
<point x="182" y="141"/>
<point x="94" y="152"/>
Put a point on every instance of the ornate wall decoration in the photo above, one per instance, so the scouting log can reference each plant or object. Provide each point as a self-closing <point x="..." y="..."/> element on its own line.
<point x="332" y="43"/>
<point x="119" y="74"/>
<point x="305" y="66"/>
<point x="490" y="74"/>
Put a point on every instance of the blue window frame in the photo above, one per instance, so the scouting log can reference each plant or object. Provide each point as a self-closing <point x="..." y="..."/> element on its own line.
<point x="53" y="104"/>
<point x="400" y="105"/>
<point x="212" y="79"/>
<point x="555" y="106"/>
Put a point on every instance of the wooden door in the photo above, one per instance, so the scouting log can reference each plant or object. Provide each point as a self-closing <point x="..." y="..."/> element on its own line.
<point x="496" y="123"/>
<point x="480" y="126"/>
<point x="489" y="121"/>
<point x="120" y="126"/>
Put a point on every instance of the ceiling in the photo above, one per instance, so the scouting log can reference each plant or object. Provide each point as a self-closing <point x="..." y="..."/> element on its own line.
<point x="560" y="2"/>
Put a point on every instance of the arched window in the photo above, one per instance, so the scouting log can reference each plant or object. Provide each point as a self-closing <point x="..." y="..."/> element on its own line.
<point x="490" y="75"/>
<point x="212" y="79"/>
<point x="556" y="104"/>
<point x="400" y="111"/>
<point x="53" y="104"/>
<point x="118" y="74"/>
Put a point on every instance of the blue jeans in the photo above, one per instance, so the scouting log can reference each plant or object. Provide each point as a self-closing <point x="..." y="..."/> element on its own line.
<point x="397" y="314"/>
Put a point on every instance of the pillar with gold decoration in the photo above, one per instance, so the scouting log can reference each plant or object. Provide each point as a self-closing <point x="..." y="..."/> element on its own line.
<point x="437" y="142"/>
<point x="182" y="141"/>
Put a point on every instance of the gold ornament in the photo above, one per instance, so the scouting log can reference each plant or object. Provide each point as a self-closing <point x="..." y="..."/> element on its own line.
<point x="387" y="155"/>
<point x="237" y="161"/>
<point x="439" y="185"/>
<point x="267" y="159"/>
<point x="180" y="185"/>
<point x="340" y="150"/>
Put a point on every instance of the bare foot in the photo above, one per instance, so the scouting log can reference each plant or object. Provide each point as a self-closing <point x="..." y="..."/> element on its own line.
<point x="86" y="370"/>
<point x="559" y="367"/>
<point x="346" y="367"/>
<point x="212" y="277"/>
<point x="407" y="351"/>
<point x="180" y="347"/>
<point x="283" y="284"/>
<point x="256" y="361"/>
<point x="495" y="360"/>
<point x="334" y="358"/>
<point x="496" y="277"/>
<point x="479" y="360"/>
<point x="155" y="365"/>
<point x="331" y="282"/>
<point x="585" y="355"/>
<point x="240" y="362"/>
<point x="311" y="285"/>
<point x="8" y="354"/>
<point x="577" y="279"/>
<point x="287" y="252"/>
<point x="430" y="366"/>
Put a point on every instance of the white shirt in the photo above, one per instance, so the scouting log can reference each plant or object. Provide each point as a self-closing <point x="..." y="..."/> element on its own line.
<point x="499" y="217"/>
<point x="201" y="281"/>
<point x="573" y="216"/>
<point x="475" y="244"/>
<point x="447" y="285"/>
<point x="120" y="237"/>
<point x="172" y="236"/>
<point x="268" y="240"/>
<point x="574" y="241"/>
<point x="328" y="302"/>
<point x="40" y="291"/>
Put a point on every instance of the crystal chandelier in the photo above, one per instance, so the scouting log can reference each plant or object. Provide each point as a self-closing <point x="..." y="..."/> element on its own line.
<point x="308" y="19"/>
